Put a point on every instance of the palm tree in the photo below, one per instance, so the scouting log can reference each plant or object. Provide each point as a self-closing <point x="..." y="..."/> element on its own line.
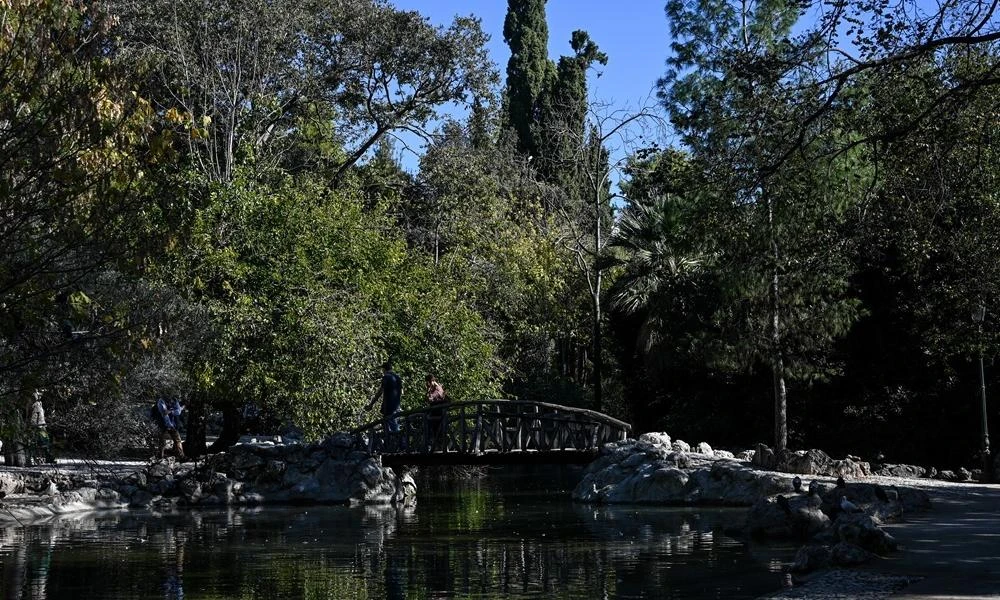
<point x="656" y="258"/>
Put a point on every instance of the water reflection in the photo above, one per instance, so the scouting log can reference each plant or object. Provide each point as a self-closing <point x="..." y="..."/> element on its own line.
<point x="473" y="541"/>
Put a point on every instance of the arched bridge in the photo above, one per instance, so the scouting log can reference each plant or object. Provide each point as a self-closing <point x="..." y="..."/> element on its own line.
<point x="492" y="432"/>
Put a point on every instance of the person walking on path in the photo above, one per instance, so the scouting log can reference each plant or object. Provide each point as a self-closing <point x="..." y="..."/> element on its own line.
<point x="41" y="432"/>
<point x="169" y="412"/>
<point x="390" y="390"/>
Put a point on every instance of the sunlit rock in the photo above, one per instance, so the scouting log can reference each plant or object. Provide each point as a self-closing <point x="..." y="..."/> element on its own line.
<point x="656" y="439"/>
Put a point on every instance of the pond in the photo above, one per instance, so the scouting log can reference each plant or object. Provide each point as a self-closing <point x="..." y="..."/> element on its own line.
<point x="511" y="534"/>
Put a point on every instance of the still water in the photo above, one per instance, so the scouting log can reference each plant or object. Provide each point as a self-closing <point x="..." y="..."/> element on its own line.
<point x="510" y="535"/>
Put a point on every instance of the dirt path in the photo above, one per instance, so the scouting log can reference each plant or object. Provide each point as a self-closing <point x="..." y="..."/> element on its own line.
<point x="954" y="547"/>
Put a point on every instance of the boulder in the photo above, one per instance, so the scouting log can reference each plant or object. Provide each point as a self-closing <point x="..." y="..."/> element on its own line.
<point x="273" y="472"/>
<point x="631" y="471"/>
<point x="869" y="497"/>
<point x="729" y="482"/>
<point x="810" y="558"/>
<point x="764" y="458"/>
<point x="848" y="468"/>
<point x="190" y="490"/>
<point x="140" y="499"/>
<point x="946" y="476"/>
<point x="681" y="460"/>
<point x="341" y="440"/>
<point x="634" y="461"/>
<point x="406" y="489"/>
<point x="795" y="517"/>
<point x="846" y="554"/>
<point x="10" y="483"/>
<point x="664" y="484"/>
<point x="817" y="462"/>
<point x="804" y="462"/>
<point x="106" y="497"/>
<point x="862" y="531"/>
<point x="655" y="439"/>
<point x="704" y="448"/>
<point x="239" y="460"/>
<point x="681" y="446"/>
<point x="161" y="468"/>
<point x="891" y="470"/>
<point x="162" y="487"/>
<point x="331" y="471"/>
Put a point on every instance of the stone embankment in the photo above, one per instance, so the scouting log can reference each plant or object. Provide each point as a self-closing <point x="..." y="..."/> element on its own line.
<point x="838" y="522"/>
<point x="329" y="472"/>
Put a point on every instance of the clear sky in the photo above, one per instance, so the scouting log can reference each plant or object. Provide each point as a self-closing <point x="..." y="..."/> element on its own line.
<point x="633" y="33"/>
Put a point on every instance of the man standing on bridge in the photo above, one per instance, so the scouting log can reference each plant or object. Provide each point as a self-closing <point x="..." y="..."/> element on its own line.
<point x="391" y="392"/>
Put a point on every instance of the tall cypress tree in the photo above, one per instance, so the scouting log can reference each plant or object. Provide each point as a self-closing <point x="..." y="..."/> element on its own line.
<point x="529" y="70"/>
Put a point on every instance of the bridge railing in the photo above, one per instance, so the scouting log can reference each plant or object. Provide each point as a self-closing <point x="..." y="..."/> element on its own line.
<point x="492" y="426"/>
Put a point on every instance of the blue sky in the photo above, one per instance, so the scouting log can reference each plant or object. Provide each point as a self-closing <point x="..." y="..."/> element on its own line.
<point x="633" y="33"/>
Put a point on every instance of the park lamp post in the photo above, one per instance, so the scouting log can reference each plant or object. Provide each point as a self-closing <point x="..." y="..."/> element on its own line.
<point x="978" y="315"/>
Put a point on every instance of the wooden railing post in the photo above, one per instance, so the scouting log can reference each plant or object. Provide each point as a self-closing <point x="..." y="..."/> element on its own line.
<point x="496" y="427"/>
<point x="465" y="440"/>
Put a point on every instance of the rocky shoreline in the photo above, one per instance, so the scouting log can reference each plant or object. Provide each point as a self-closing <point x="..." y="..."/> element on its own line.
<point x="838" y="523"/>
<point x="328" y="472"/>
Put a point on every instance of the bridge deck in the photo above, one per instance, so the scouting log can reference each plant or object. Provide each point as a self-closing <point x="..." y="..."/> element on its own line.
<point x="492" y="432"/>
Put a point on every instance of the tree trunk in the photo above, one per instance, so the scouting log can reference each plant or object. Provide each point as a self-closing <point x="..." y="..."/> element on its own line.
<point x="777" y="358"/>
<point x="195" y="444"/>
<point x="232" y="423"/>
<point x="598" y="356"/>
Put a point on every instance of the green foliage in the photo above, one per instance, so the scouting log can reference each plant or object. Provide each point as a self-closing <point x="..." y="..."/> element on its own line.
<point x="74" y="156"/>
<point x="252" y="80"/>
<point x="480" y="220"/>
<point x="529" y="70"/>
<point x="307" y="297"/>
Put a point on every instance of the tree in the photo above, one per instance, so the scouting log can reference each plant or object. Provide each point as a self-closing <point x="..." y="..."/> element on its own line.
<point x="72" y="148"/>
<point x="926" y="240"/>
<point x="786" y="271"/>
<point x="477" y="213"/>
<point x="589" y="222"/>
<point x="529" y="70"/>
<point x="272" y="109"/>
<point x="238" y="77"/>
